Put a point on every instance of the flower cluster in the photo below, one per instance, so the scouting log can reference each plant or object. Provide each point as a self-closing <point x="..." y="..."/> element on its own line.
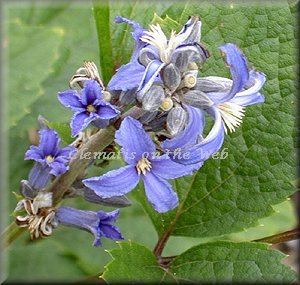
<point x="162" y="139"/>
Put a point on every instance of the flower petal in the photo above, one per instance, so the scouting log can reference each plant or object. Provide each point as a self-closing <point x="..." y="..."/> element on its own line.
<point x="191" y="133"/>
<point x="159" y="193"/>
<point x="91" y="92"/>
<point x="49" y="141"/>
<point x="35" y="153"/>
<point x="127" y="77"/>
<point x="211" y="144"/>
<point x="114" y="183"/>
<point x="39" y="175"/>
<point x="109" y="217"/>
<point x="192" y="30"/>
<point x="165" y="168"/>
<point x="150" y="74"/>
<point x="251" y="95"/>
<point x="65" y="153"/>
<point x="107" y="111"/>
<point x="70" y="99"/>
<point x="239" y="71"/>
<point x="111" y="232"/>
<point x="134" y="140"/>
<point x="57" y="168"/>
<point x="80" y="121"/>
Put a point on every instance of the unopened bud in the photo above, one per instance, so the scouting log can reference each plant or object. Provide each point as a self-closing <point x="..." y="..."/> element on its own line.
<point x="213" y="84"/>
<point x="106" y="96"/>
<point x="167" y="104"/>
<point x="26" y="190"/>
<point x="153" y="98"/>
<point x="171" y="76"/>
<point x="189" y="80"/>
<point x="197" y="99"/>
<point x="147" y="117"/>
<point x="176" y="120"/>
<point x="128" y="97"/>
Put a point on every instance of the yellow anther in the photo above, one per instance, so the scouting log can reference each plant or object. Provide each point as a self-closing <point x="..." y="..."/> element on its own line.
<point x="49" y="158"/>
<point x="91" y="109"/>
<point x="143" y="166"/>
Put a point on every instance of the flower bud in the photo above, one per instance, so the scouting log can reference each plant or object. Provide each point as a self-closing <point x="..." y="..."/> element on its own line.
<point x="106" y="96"/>
<point x="171" y="76"/>
<point x="167" y="104"/>
<point x="128" y="97"/>
<point x="197" y="99"/>
<point x="153" y="98"/>
<point x="147" y="117"/>
<point x="213" y="84"/>
<point x="189" y="80"/>
<point x="26" y="190"/>
<point x="176" y="120"/>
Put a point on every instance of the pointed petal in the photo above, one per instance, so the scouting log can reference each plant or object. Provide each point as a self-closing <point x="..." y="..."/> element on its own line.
<point x="35" y="153"/>
<point x="107" y="111"/>
<point x="251" y="95"/>
<point x="134" y="140"/>
<point x="206" y="148"/>
<point x="114" y="183"/>
<point x="91" y="92"/>
<point x="70" y="99"/>
<point x="238" y="65"/>
<point x="58" y="168"/>
<point x="191" y="132"/>
<point x="150" y="74"/>
<point x="65" y="153"/>
<point x="192" y="30"/>
<point x="111" y="232"/>
<point x="165" y="168"/>
<point x="80" y="121"/>
<point x="159" y="193"/>
<point x="49" y="141"/>
<point x="109" y="217"/>
<point x="127" y="77"/>
<point x="39" y="175"/>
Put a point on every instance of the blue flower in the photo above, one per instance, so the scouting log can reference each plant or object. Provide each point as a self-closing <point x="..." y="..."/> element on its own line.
<point x="50" y="159"/>
<point x="228" y="99"/>
<point x="98" y="223"/>
<point x="89" y="107"/>
<point x="129" y="76"/>
<point x="139" y="152"/>
<point x="181" y="50"/>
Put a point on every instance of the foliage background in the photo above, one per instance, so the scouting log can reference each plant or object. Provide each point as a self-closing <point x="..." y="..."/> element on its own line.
<point x="45" y="43"/>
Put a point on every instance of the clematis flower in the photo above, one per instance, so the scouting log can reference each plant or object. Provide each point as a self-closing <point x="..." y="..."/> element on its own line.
<point x="98" y="223"/>
<point x="50" y="159"/>
<point x="89" y="107"/>
<point x="129" y="76"/>
<point x="139" y="152"/>
<point x="176" y="52"/>
<point x="225" y="101"/>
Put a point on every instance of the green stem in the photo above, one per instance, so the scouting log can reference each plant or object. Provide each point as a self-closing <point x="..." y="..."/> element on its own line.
<point x="282" y="237"/>
<point x="10" y="234"/>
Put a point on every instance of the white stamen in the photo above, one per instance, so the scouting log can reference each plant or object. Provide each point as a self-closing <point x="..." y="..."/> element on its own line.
<point x="232" y="115"/>
<point x="156" y="37"/>
<point x="143" y="166"/>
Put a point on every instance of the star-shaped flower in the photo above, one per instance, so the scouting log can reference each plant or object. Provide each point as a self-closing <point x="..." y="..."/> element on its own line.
<point x="140" y="153"/>
<point x="89" y="107"/>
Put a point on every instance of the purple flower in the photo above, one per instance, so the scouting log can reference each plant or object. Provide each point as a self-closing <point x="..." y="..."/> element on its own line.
<point x="129" y="76"/>
<point x="140" y="153"/>
<point x="89" y="107"/>
<point x="228" y="99"/>
<point x="98" y="223"/>
<point x="50" y="159"/>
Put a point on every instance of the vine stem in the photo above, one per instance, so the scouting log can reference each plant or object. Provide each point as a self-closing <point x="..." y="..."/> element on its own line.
<point x="282" y="237"/>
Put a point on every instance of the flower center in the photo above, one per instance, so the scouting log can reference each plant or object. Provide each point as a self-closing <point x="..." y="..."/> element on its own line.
<point x="232" y="115"/>
<point x="91" y="109"/>
<point x="143" y="166"/>
<point x="49" y="158"/>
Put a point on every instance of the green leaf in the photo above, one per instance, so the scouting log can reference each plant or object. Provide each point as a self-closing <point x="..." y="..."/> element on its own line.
<point x="25" y="76"/>
<point x="167" y="24"/>
<point x="102" y="15"/>
<point x="63" y="130"/>
<point x="229" y="195"/>
<point x="222" y="262"/>
<point x="216" y="262"/>
<point x="132" y="263"/>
